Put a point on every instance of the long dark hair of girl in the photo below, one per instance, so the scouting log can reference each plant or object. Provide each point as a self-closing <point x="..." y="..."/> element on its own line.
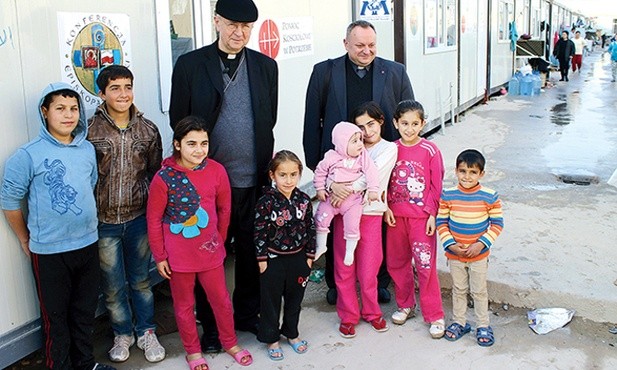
<point x="186" y="125"/>
<point x="283" y="156"/>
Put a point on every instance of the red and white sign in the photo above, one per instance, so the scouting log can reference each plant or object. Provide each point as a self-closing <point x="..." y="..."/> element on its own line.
<point x="269" y="38"/>
<point x="284" y="38"/>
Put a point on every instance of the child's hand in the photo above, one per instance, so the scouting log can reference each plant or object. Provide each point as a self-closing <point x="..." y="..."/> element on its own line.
<point x="373" y="196"/>
<point x="25" y="246"/>
<point x="389" y="218"/>
<point x="322" y="195"/>
<point x="474" y="249"/>
<point x="339" y="191"/>
<point x="309" y="263"/>
<point x="457" y="249"/>
<point x="263" y="265"/>
<point x="430" y="225"/>
<point x="164" y="269"/>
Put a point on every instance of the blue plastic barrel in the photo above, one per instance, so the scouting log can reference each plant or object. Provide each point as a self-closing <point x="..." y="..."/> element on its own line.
<point x="514" y="86"/>
<point x="526" y="85"/>
<point x="537" y="83"/>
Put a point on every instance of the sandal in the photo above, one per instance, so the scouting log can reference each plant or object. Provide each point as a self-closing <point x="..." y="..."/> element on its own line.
<point x="242" y="356"/>
<point x="197" y="364"/>
<point x="485" y="333"/>
<point x="296" y="346"/>
<point x="275" y="354"/>
<point x="456" y="331"/>
<point x="437" y="329"/>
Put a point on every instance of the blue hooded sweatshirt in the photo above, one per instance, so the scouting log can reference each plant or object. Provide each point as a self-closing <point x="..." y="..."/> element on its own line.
<point x="58" y="180"/>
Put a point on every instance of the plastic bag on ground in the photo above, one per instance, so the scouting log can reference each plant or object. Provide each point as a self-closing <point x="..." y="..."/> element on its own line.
<point x="545" y="320"/>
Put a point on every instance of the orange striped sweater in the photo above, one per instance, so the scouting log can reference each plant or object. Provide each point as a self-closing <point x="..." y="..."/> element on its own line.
<point x="467" y="216"/>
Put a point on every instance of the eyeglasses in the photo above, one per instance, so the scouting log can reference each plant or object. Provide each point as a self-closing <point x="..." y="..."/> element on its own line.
<point x="234" y="26"/>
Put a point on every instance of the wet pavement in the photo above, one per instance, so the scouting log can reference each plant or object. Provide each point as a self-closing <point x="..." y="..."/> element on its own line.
<point x="550" y="158"/>
<point x="556" y="249"/>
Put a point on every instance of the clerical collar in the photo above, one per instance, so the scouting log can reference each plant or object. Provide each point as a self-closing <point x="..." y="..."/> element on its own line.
<point x="356" y="67"/>
<point x="230" y="57"/>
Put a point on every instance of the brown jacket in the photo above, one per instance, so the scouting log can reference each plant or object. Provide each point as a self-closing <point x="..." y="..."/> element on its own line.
<point x="127" y="160"/>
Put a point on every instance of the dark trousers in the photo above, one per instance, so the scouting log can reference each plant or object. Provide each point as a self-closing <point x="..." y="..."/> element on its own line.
<point x="68" y="286"/>
<point x="285" y="278"/>
<point x="383" y="278"/>
<point x="564" y="66"/>
<point x="246" y="291"/>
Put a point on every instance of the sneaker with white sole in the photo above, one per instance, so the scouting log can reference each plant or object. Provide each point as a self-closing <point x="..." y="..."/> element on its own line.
<point x="149" y="343"/>
<point x="120" y="351"/>
<point x="437" y="329"/>
<point x="402" y="314"/>
<point x="98" y="366"/>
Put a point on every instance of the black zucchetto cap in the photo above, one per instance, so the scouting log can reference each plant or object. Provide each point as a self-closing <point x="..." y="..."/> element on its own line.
<point x="237" y="10"/>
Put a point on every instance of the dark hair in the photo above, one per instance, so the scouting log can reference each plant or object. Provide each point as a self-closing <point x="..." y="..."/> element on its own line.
<point x="358" y="23"/>
<point x="579" y="32"/>
<point x="67" y="93"/>
<point x="472" y="158"/>
<point x="284" y="156"/>
<point x="186" y="125"/>
<point x="110" y="73"/>
<point x="370" y="108"/>
<point x="408" y="106"/>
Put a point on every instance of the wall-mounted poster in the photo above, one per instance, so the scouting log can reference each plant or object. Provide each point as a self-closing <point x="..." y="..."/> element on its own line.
<point x="88" y="43"/>
<point x="374" y="10"/>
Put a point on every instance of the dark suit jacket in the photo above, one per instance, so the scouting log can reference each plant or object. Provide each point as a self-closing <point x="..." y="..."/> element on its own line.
<point x="197" y="89"/>
<point x="390" y="85"/>
<point x="564" y="49"/>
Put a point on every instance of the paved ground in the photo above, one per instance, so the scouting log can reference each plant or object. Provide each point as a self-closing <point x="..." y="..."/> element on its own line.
<point x="556" y="249"/>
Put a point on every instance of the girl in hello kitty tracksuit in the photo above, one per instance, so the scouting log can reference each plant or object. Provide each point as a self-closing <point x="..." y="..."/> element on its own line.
<point x="413" y="201"/>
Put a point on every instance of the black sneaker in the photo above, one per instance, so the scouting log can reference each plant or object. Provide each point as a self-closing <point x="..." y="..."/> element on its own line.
<point x="251" y="327"/>
<point x="210" y="344"/>
<point x="331" y="296"/>
<point x="98" y="366"/>
<point x="383" y="295"/>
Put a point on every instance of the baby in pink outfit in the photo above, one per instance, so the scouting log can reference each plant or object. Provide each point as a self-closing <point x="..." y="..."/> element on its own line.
<point x="346" y="163"/>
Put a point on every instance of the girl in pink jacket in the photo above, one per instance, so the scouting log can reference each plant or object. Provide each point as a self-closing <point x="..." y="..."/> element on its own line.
<point x="346" y="163"/>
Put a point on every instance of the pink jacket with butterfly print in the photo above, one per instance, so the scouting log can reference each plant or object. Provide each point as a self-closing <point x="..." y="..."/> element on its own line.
<point x="188" y="214"/>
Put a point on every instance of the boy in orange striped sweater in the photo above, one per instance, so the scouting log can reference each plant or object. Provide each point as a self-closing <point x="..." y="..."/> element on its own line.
<point x="468" y="222"/>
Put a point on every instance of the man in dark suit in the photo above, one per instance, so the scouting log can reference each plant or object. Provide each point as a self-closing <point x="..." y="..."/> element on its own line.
<point x="235" y="89"/>
<point x="336" y="88"/>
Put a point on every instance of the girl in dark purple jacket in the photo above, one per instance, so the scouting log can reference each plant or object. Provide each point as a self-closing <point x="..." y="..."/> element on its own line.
<point x="285" y="242"/>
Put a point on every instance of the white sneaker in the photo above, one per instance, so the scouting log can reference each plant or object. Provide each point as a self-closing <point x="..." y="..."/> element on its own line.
<point x="402" y="314"/>
<point x="149" y="343"/>
<point x="120" y="351"/>
<point x="437" y="329"/>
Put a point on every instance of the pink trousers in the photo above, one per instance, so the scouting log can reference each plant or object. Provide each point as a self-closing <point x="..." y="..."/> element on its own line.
<point x="366" y="264"/>
<point x="351" y="209"/>
<point x="405" y="242"/>
<point x="213" y="282"/>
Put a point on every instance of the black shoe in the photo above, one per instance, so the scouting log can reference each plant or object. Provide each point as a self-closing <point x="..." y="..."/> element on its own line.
<point x="561" y="79"/>
<point x="331" y="296"/>
<point x="210" y="344"/>
<point x="567" y="79"/>
<point x="383" y="295"/>
<point x="252" y="327"/>
<point x="98" y="366"/>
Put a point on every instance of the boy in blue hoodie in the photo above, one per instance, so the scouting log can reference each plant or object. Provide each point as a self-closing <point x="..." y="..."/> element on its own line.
<point x="56" y="173"/>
